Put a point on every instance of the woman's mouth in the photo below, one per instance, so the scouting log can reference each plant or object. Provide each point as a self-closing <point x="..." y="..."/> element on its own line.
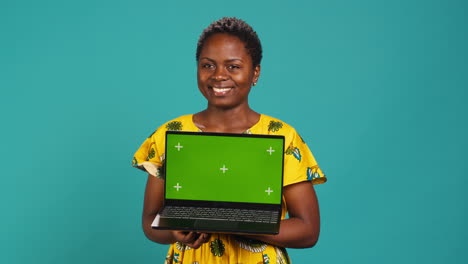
<point x="221" y="91"/>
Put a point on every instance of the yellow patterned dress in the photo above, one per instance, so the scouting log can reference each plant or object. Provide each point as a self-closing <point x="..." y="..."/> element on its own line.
<point x="299" y="166"/>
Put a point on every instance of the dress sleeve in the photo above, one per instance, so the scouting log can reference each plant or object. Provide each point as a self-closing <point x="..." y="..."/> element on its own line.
<point x="299" y="162"/>
<point x="150" y="156"/>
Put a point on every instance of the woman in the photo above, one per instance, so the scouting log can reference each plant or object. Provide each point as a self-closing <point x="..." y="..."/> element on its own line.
<point x="228" y="55"/>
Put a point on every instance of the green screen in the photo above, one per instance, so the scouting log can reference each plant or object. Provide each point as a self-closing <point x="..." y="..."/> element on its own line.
<point x="224" y="168"/>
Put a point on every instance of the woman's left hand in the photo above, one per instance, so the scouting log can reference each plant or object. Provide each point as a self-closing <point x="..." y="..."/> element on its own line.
<point x="302" y="228"/>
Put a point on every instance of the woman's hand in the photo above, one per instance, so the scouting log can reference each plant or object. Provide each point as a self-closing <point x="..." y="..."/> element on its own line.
<point x="154" y="196"/>
<point x="191" y="239"/>
<point x="302" y="228"/>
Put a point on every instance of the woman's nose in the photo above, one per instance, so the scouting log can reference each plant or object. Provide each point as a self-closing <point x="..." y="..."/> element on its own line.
<point x="220" y="74"/>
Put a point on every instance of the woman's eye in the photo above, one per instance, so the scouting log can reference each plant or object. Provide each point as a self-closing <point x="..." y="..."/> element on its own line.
<point x="208" y="66"/>
<point x="233" y="67"/>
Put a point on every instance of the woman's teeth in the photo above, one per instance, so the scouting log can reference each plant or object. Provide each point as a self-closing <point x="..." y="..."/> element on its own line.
<point x="221" y="90"/>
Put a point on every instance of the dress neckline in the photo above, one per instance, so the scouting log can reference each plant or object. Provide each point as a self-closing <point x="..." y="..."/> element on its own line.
<point x="248" y="130"/>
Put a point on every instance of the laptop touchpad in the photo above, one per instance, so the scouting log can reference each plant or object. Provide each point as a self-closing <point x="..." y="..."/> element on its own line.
<point x="213" y="224"/>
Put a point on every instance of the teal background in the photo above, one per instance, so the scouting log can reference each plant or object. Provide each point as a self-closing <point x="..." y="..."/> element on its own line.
<point x="377" y="89"/>
<point x="250" y="168"/>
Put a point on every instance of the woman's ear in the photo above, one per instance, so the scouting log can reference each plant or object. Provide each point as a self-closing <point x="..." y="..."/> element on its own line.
<point x="256" y="75"/>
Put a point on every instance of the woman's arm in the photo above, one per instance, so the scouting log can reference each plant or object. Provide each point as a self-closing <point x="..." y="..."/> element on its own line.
<point x="154" y="195"/>
<point x="302" y="228"/>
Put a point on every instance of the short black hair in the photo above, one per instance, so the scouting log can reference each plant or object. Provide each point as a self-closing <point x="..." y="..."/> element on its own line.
<point x="236" y="27"/>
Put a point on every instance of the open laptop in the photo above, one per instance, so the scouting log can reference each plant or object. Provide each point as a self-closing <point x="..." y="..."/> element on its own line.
<point x="219" y="182"/>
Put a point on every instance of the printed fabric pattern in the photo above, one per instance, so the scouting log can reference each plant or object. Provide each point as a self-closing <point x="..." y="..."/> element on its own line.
<point x="299" y="165"/>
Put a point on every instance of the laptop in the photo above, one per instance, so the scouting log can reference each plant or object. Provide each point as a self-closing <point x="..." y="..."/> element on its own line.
<point x="220" y="182"/>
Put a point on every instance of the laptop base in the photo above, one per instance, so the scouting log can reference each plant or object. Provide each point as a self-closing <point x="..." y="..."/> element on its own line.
<point x="214" y="226"/>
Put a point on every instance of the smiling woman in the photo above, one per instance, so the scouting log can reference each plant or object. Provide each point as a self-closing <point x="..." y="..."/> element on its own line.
<point x="229" y="55"/>
<point x="225" y="73"/>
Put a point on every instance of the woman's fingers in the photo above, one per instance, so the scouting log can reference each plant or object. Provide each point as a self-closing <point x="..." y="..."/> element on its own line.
<point x="192" y="239"/>
<point x="184" y="237"/>
<point x="200" y="240"/>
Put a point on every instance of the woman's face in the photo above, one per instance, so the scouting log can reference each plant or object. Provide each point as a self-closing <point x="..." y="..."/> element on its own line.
<point x="225" y="71"/>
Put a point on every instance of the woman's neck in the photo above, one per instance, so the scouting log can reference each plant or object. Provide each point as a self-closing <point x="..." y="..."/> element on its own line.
<point x="236" y="120"/>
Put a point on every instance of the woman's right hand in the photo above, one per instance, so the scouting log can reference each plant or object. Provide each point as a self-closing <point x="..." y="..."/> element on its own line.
<point x="154" y="196"/>
<point x="191" y="239"/>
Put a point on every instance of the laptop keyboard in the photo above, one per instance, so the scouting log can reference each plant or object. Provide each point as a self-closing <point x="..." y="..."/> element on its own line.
<point x="230" y="214"/>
